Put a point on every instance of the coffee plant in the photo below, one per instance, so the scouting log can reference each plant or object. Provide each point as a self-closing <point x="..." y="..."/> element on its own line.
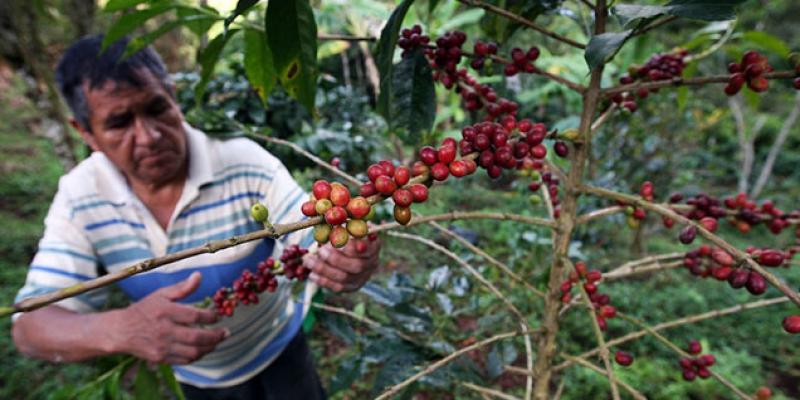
<point x="506" y="142"/>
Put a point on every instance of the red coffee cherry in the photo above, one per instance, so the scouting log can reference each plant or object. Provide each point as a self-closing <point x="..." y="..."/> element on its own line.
<point x="694" y="347"/>
<point x="339" y="194"/>
<point x="428" y="155"/>
<point x="439" y="171"/>
<point x="418" y="192"/>
<point x="756" y="284"/>
<point x="374" y="171"/>
<point x="402" y="175"/>
<point x="367" y="189"/>
<point x="321" y="189"/>
<point x="339" y="236"/>
<point x="336" y="215"/>
<point x="358" y="207"/>
<point x="623" y="358"/>
<point x="385" y="185"/>
<point x="309" y="208"/>
<point x="771" y="258"/>
<point x="402" y="197"/>
<point x="791" y="324"/>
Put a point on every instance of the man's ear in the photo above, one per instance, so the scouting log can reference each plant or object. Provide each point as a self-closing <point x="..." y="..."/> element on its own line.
<point x="87" y="136"/>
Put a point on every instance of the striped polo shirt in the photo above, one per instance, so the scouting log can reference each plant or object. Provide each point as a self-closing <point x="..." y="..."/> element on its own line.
<point x="97" y="225"/>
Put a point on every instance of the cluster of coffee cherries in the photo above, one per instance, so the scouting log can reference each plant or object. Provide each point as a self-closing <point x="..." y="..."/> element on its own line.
<point x="635" y="215"/>
<point x="344" y="215"/>
<point x="706" y="261"/>
<point x="411" y="39"/>
<point x="739" y="210"/>
<point x="482" y="50"/>
<point x="249" y="285"/>
<point x="600" y="301"/>
<point x="696" y="366"/>
<point x="444" y="58"/>
<point x="659" y="67"/>
<point x="750" y="71"/>
<point x="749" y="214"/>
<point x="390" y="181"/>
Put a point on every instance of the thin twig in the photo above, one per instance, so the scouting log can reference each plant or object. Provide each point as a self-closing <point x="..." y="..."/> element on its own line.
<point x="344" y="175"/>
<point x="683" y="354"/>
<point x="363" y="319"/>
<point x="737" y="254"/>
<point x="678" y="81"/>
<point x="460" y="215"/>
<point x="538" y="71"/>
<point x="599" y="214"/>
<point x="603" y="117"/>
<point x="679" y="322"/>
<point x="391" y="391"/>
<point x="635" y="393"/>
<point x="477" y="250"/>
<point x="516" y="18"/>
<point x="489" y="391"/>
<point x="654" y="267"/>
<point x="629" y="266"/>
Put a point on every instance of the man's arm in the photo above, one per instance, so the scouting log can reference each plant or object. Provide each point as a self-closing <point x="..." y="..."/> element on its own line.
<point x="155" y="328"/>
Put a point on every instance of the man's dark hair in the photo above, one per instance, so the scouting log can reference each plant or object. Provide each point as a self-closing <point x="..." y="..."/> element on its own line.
<point x="84" y="62"/>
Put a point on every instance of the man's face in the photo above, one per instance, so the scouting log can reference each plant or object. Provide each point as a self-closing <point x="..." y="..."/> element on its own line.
<point x="139" y="129"/>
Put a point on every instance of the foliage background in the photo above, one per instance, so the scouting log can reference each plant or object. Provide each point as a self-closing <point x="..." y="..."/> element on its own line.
<point x="683" y="140"/>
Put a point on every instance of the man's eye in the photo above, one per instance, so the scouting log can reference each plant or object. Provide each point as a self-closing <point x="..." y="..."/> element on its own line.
<point x="119" y="122"/>
<point x="157" y="108"/>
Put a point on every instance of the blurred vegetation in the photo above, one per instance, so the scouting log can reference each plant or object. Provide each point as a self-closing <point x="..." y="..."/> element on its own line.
<point x="683" y="140"/>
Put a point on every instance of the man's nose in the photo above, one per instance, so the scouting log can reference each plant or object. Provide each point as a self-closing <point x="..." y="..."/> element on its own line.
<point x="145" y="132"/>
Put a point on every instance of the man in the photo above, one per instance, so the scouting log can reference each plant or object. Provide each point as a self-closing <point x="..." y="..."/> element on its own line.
<point x="153" y="186"/>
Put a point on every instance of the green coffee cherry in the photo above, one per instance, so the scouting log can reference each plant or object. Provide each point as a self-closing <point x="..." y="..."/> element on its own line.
<point x="535" y="199"/>
<point x="259" y="212"/>
<point x="321" y="233"/>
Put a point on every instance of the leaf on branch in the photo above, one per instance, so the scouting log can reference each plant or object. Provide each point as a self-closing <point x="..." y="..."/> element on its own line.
<point x="138" y="43"/>
<point x="258" y="63"/>
<point x="208" y="61"/>
<point x="767" y="42"/>
<point x="413" y="107"/>
<point x="706" y="10"/>
<point x="241" y="7"/>
<point x="146" y="384"/>
<point x="168" y="376"/>
<point x="292" y="37"/>
<point x="129" y="22"/>
<point x="603" y="47"/>
<point x="628" y="13"/>
<point x="384" y="53"/>
<point x="198" y="20"/>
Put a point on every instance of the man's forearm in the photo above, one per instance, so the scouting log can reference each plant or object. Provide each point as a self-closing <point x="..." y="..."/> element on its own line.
<point x="59" y="335"/>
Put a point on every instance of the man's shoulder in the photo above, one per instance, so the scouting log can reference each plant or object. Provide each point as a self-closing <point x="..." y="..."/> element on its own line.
<point x="241" y="151"/>
<point x="80" y="180"/>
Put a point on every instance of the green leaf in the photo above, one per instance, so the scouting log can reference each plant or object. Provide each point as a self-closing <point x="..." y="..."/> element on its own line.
<point x="767" y="42"/>
<point x="208" y="61"/>
<point x="628" y="13"/>
<point x="198" y="20"/>
<point x="468" y="17"/>
<point x="384" y="53"/>
<point x="292" y="37"/>
<point x="241" y="7"/>
<point x="258" y="63"/>
<point x="706" y="10"/>
<point x="112" y="385"/>
<point x="169" y="378"/>
<point x="138" y="43"/>
<point x="603" y="47"/>
<point x="129" y="22"/>
<point x="118" y="5"/>
<point x="145" y="387"/>
<point x="413" y="107"/>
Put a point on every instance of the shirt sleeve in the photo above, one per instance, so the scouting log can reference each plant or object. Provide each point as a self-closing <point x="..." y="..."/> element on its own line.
<point x="64" y="258"/>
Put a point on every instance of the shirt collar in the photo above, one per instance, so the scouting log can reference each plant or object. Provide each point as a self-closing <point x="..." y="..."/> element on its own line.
<point x="112" y="185"/>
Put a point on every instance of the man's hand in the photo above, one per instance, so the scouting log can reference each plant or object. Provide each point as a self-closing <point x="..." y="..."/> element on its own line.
<point x="343" y="269"/>
<point x="160" y="330"/>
